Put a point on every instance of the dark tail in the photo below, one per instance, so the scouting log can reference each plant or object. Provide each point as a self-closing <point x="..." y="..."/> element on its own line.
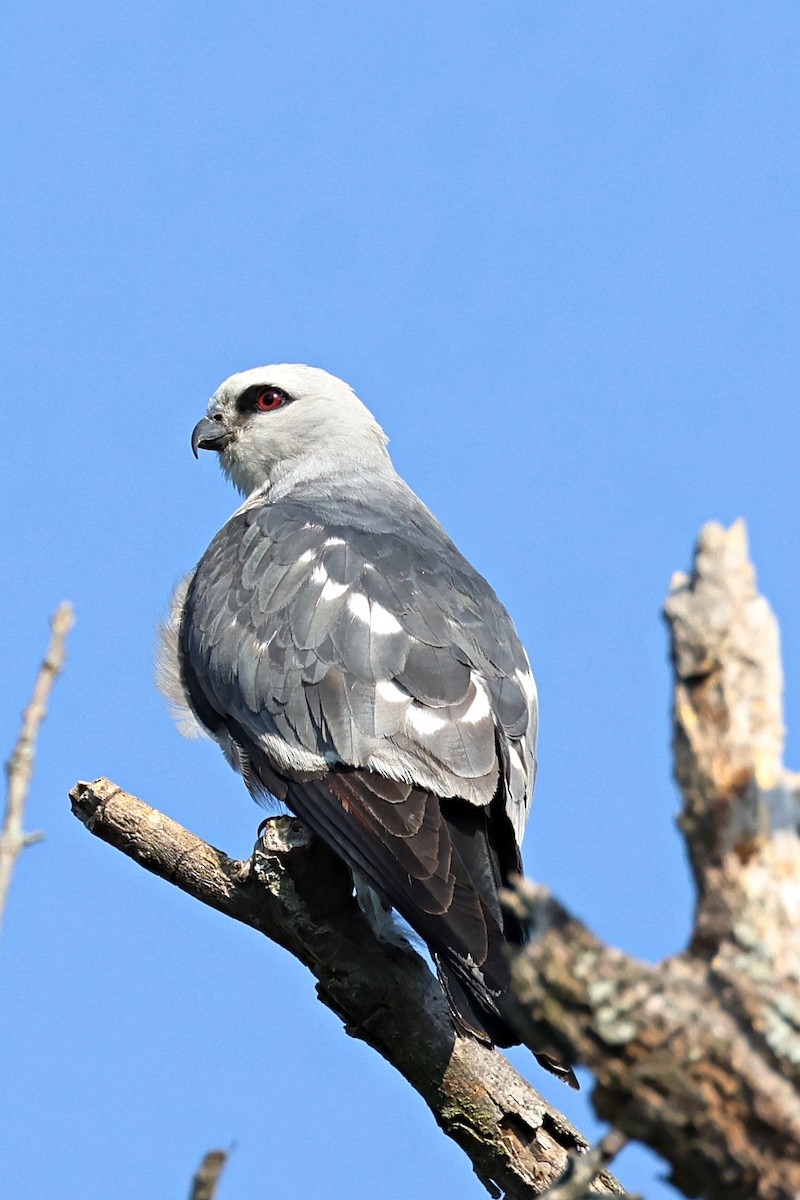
<point x="476" y="978"/>
<point x="441" y="864"/>
<point x="476" y="993"/>
<point x="476" y="1016"/>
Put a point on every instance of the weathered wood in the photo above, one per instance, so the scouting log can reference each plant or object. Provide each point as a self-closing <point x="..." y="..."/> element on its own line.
<point x="206" y="1180"/>
<point x="19" y="768"/>
<point x="700" y="1055"/>
<point x="577" y="1181"/>
<point x="297" y="893"/>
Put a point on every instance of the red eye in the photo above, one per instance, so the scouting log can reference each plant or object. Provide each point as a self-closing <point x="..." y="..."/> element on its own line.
<point x="269" y="399"/>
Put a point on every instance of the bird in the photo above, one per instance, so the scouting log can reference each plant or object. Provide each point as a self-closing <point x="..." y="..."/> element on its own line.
<point x="350" y="662"/>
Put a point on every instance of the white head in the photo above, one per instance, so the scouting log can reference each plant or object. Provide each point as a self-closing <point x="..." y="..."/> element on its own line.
<point x="274" y="424"/>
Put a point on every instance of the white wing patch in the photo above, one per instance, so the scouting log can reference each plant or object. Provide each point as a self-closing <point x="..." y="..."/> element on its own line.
<point x="369" y="612"/>
<point x="425" y="721"/>
<point x="528" y="684"/>
<point x="390" y="691"/>
<point x="331" y="589"/>
<point x="381" y="620"/>
<point x="520" y="787"/>
<point x="480" y="706"/>
<point x="359" y="606"/>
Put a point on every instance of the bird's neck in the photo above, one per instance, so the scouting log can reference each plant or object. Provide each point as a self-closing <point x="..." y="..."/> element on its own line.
<point x="331" y="474"/>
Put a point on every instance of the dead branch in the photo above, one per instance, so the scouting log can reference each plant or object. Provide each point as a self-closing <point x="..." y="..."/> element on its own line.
<point x="297" y="893"/>
<point x="19" y="768"/>
<point x="206" y="1180"/>
<point x="700" y="1055"/>
<point x="583" y="1169"/>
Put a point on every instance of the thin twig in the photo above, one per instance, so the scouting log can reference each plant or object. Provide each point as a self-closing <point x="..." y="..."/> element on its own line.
<point x="583" y="1169"/>
<point x="19" y="768"/>
<point x="206" y="1181"/>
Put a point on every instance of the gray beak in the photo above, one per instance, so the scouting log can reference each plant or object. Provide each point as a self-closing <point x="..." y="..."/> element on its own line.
<point x="209" y="434"/>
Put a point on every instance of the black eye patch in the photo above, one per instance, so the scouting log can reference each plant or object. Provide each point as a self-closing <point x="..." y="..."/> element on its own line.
<point x="262" y="398"/>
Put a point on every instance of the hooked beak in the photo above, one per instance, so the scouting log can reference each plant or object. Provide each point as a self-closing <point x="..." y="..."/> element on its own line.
<point x="210" y="435"/>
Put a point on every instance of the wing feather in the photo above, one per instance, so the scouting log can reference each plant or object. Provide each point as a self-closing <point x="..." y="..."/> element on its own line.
<point x="394" y="632"/>
<point x="368" y="674"/>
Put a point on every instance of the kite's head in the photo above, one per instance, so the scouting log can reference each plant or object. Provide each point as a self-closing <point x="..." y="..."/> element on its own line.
<point x="286" y="422"/>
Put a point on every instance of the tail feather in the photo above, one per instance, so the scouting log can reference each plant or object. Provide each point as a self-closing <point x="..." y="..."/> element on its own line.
<point x="441" y="864"/>
<point x="472" y="1015"/>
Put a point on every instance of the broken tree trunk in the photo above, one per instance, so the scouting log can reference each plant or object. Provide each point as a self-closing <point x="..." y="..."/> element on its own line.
<point x="699" y="1056"/>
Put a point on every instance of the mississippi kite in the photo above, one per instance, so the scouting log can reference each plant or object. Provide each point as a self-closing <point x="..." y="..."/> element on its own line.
<point x="350" y="662"/>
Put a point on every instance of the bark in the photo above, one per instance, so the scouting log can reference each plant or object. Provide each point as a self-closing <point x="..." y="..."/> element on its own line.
<point x="699" y="1056"/>
<point x="206" y="1181"/>
<point x="19" y="768"/>
<point x="297" y="893"/>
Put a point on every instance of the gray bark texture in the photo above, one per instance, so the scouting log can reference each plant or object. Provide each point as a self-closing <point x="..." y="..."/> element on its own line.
<point x="19" y="768"/>
<point x="297" y="893"/>
<point x="699" y="1056"/>
<point x="206" y="1181"/>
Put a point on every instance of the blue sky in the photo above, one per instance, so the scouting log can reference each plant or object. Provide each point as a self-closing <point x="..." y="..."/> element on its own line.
<point x="555" y="249"/>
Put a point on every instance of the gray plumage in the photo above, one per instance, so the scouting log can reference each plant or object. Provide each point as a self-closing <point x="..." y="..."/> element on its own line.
<point x="351" y="662"/>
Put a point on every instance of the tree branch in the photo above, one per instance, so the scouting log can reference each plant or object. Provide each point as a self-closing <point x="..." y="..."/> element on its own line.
<point x="297" y="893"/>
<point x="19" y="768"/>
<point x="582" y="1170"/>
<point x="206" y="1180"/>
<point x="700" y="1055"/>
